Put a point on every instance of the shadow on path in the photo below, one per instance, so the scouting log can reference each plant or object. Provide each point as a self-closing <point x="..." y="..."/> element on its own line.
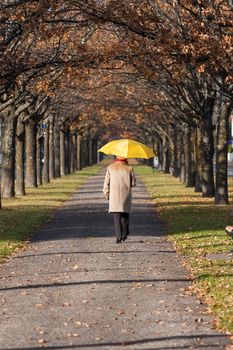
<point x="74" y="288"/>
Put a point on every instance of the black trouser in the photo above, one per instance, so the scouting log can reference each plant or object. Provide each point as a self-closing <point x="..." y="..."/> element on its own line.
<point x="121" y="222"/>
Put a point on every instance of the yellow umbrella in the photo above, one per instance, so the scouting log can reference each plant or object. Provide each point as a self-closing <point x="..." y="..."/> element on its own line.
<point x="127" y="148"/>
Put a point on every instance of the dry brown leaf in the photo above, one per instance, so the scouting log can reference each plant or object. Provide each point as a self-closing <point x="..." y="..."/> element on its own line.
<point x="39" y="305"/>
<point x="66" y="304"/>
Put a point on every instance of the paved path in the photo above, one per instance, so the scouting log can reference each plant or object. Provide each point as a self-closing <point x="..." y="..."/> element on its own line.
<point x="74" y="288"/>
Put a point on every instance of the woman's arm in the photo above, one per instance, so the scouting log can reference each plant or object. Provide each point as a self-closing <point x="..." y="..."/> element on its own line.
<point x="106" y="188"/>
<point x="132" y="179"/>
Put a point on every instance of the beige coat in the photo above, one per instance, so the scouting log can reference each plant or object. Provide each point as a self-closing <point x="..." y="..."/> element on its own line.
<point x="118" y="181"/>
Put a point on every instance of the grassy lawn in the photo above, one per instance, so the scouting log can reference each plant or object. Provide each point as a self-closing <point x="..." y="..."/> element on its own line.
<point x="196" y="227"/>
<point x="22" y="216"/>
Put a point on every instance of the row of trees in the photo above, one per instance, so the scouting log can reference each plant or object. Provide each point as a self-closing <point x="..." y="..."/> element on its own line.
<point x="158" y="71"/>
<point x="42" y="150"/>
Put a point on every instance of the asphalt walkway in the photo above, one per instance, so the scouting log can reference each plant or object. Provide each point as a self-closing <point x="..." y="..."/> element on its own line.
<point x="75" y="288"/>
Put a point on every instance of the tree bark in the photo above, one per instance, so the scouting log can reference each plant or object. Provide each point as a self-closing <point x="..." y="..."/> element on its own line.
<point x="30" y="150"/>
<point x="39" y="140"/>
<point x="90" y="146"/>
<point x="166" y="156"/>
<point x="174" y="155"/>
<point x="19" y="158"/>
<point x="167" y="163"/>
<point x="207" y="147"/>
<point x="198" y="160"/>
<point x="0" y="161"/>
<point x="98" y="153"/>
<point x="223" y="114"/>
<point x="189" y="168"/>
<point x="46" y="177"/>
<point x="79" y="140"/>
<point x="182" y="160"/>
<point x="95" y="151"/>
<point x="160" y="152"/>
<point x="178" y="145"/>
<point x="51" y="150"/>
<point x="71" y="153"/>
<point x="85" y="155"/>
<point x="62" y="152"/>
<point x="67" y="152"/>
<point x="57" y="163"/>
<point x="75" y="150"/>
<point x="8" y="154"/>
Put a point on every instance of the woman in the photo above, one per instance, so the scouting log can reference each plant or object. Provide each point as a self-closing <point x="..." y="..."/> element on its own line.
<point x="118" y="181"/>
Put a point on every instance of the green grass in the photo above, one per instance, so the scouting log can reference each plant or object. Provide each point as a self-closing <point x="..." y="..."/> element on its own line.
<point x="196" y="227"/>
<point x="21" y="217"/>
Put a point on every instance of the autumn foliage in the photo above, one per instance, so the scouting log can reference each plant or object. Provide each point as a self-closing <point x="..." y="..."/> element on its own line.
<point x="157" y="71"/>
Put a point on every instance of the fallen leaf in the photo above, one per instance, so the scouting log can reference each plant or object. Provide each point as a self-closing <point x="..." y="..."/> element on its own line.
<point x="73" y="335"/>
<point x="86" y="325"/>
<point x="137" y="285"/>
<point x="188" y="309"/>
<point x="121" y="312"/>
<point x="39" y="305"/>
<point x="66" y="304"/>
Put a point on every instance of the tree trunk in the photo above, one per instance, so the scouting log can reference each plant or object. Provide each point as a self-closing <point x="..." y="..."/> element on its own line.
<point x="98" y="153"/>
<point x="75" y="150"/>
<point x="67" y="152"/>
<point x="39" y="140"/>
<point x="51" y="151"/>
<point x="90" y="145"/>
<point x="0" y="161"/>
<point x="182" y="161"/>
<point x="86" y="153"/>
<point x="221" y="191"/>
<point x="198" y="160"/>
<point x="160" y="152"/>
<point x="8" y="155"/>
<point x="71" y="153"/>
<point x="166" y="156"/>
<point x="83" y="153"/>
<point x="174" y="155"/>
<point x="95" y="151"/>
<point x="188" y="158"/>
<point x="178" y="146"/>
<point x="62" y="152"/>
<point x="46" y="154"/>
<point x="79" y="140"/>
<point x="19" y="158"/>
<point x="30" y="150"/>
<point x="57" y="163"/>
<point x="207" y="147"/>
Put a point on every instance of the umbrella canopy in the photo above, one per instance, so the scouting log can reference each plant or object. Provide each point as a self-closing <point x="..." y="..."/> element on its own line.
<point x="127" y="148"/>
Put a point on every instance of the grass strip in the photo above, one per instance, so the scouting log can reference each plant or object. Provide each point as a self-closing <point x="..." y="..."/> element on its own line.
<point x="23" y="216"/>
<point x="196" y="227"/>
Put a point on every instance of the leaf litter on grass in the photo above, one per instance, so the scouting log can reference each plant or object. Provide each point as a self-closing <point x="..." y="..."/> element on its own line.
<point x="196" y="227"/>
